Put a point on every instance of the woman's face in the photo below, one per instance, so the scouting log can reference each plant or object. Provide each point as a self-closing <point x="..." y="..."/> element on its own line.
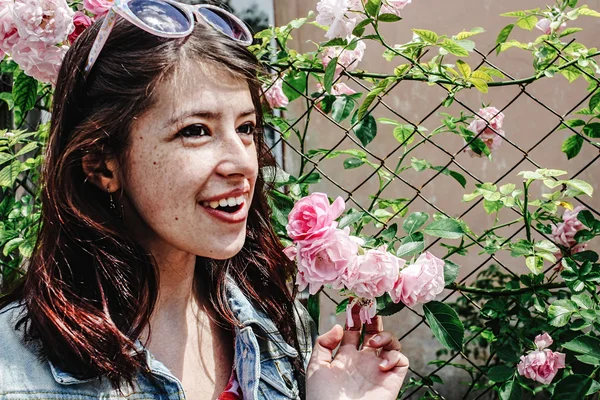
<point x="192" y="165"/>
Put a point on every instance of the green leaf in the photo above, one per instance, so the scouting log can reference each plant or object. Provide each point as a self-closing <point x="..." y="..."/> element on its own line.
<point x="592" y="130"/>
<point x="359" y="29"/>
<point x="341" y="108"/>
<point x="313" y="307"/>
<point x="480" y="84"/>
<point x="454" y="48"/>
<point x="409" y="249"/>
<point x="456" y="175"/>
<point x="349" y="219"/>
<point x="9" y="174"/>
<point x="388" y="18"/>
<point x="463" y="68"/>
<point x="585" y="345"/>
<point x="366" y="130"/>
<point x="27" y="148"/>
<point x="386" y="307"/>
<point x="528" y="22"/>
<point x="294" y="85"/>
<point x="573" y="387"/>
<point x="330" y="74"/>
<point x="450" y="272"/>
<point x="492" y="207"/>
<point x="353" y="162"/>
<point x="586" y="218"/>
<point x="590" y="13"/>
<point x="404" y="134"/>
<point x="594" y="101"/>
<point x="580" y="185"/>
<point x="535" y="264"/>
<point x="503" y="35"/>
<point x="428" y="36"/>
<point x="560" y="311"/>
<point x="511" y="390"/>
<point x="4" y="157"/>
<point x="572" y="123"/>
<point x="24" y="92"/>
<point x="445" y="325"/>
<point x="572" y="146"/>
<point x="519" y="13"/>
<point x="414" y="221"/>
<point x="501" y="373"/>
<point x="7" y="97"/>
<point x="583" y="300"/>
<point x="445" y="228"/>
<point x="372" y="7"/>
<point x="341" y="307"/>
<point x="467" y="34"/>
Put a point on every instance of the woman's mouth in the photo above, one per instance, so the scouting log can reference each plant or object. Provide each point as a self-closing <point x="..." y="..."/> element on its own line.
<point x="229" y="209"/>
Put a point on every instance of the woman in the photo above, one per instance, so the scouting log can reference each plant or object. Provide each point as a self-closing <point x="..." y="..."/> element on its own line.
<point x="156" y="273"/>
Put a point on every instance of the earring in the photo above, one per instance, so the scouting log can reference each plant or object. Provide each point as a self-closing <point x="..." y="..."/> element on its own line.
<point x="112" y="202"/>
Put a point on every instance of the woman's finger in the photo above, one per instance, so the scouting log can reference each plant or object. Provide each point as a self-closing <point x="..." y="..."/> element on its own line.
<point x="392" y="359"/>
<point x="352" y="330"/>
<point x="324" y="347"/>
<point x="383" y="340"/>
<point x="372" y="329"/>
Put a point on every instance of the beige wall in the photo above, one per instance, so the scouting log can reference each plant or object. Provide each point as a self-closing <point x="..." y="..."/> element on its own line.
<point x="525" y="124"/>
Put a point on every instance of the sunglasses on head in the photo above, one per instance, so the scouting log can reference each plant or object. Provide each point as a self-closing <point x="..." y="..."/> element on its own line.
<point x="169" y="19"/>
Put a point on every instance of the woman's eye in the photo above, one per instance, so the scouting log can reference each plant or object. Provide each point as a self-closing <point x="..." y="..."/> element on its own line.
<point x="193" y="131"/>
<point x="247" y="129"/>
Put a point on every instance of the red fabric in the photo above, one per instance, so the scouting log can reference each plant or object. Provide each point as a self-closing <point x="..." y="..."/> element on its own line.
<point x="232" y="391"/>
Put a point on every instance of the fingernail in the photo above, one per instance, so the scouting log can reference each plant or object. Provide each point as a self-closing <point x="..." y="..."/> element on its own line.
<point x="376" y="339"/>
<point x="383" y="364"/>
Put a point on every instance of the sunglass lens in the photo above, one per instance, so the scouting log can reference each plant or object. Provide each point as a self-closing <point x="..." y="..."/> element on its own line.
<point x="223" y="22"/>
<point x="160" y="15"/>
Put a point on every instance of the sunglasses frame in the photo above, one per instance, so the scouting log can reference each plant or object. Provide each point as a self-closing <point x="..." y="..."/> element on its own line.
<point x="121" y="8"/>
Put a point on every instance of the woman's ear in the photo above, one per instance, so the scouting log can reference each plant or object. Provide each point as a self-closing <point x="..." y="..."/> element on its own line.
<point x="102" y="171"/>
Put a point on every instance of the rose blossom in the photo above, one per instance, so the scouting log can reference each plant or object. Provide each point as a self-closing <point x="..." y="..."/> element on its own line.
<point x="38" y="60"/>
<point x="48" y="21"/>
<point x="487" y="124"/>
<point x="545" y="25"/>
<point x="290" y="252"/>
<point x="275" y="96"/>
<point x="347" y="59"/>
<point x="420" y="282"/>
<point x="98" y="7"/>
<point x="564" y="232"/>
<point x="325" y="259"/>
<point x="374" y="273"/>
<point x="542" y="364"/>
<point x="313" y="216"/>
<point x="332" y="13"/>
<point x="393" y="6"/>
<point x="81" y="22"/>
<point x="8" y="30"/>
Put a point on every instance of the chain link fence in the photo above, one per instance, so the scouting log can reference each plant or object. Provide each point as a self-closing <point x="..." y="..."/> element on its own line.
<point x="394" y="157"/>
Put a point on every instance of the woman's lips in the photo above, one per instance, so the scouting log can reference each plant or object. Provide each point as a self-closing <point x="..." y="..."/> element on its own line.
<point x="233" y="218"/>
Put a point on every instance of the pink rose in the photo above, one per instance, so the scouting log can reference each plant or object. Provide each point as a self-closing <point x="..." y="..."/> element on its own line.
<point x="347" y="59"/>
<point x="81" y="22"/>
<point x="545" y="25"/>
<point x="367" y="311"/>
<point x="325" y="259"/>
<point x="374" y="273"/>
<point x="564" y="232"/>
<point x="47" y="21"/>
<point x="98" y="7"/>
<point x="420" y="282"/>
<point x="39" y="60"/>
<point x="542" y="364"/>
<point x="487" y="124"/>
<point x="290" y="252"/>
<point x="8" y="30"/>
<point x="393" y="6"/>
<point x="275" y="96"/>
<point x="333" y="13"/>
<point x="313" y="216"/>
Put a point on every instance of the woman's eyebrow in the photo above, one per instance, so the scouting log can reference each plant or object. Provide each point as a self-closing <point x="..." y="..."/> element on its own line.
<point x="206" y="114"/>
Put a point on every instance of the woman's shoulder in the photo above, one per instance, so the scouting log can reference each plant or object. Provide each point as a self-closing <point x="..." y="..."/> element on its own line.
<point x="22" y="372"/>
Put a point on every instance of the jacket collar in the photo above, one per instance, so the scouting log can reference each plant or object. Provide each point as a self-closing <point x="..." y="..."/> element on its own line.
<point x="242" y="309"/>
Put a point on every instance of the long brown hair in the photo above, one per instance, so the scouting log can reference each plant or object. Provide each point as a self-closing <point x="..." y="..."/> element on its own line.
<point x="90" y="289"/>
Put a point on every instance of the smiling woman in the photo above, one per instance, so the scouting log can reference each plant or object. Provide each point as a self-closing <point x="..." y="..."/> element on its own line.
<point x="156" y="273"/>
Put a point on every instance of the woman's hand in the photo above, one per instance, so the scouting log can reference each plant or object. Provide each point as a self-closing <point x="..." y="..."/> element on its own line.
<point x="376" y="371"/>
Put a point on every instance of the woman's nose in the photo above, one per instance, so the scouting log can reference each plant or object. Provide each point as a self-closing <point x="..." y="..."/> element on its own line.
<point x="238" y="154"/>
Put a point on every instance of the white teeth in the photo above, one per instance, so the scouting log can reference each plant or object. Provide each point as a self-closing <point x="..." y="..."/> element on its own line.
<point x="228" y="202"/>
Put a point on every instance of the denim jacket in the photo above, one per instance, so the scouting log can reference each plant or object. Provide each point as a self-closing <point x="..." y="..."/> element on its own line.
<point x="261" y="358"/>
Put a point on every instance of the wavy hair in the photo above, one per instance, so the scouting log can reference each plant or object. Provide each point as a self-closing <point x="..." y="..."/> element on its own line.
<point x="90" y="288"/>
